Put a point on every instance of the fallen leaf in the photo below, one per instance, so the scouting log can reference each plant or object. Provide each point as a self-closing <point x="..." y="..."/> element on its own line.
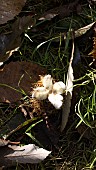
<point x="86" y="31"/>
<point x="12" y="41"/>
<point x="11" y="155"/>
<point x="27" y="154"/>
<point x="93" y="52"/>
<point x="46" y="132"/>
<point x="62" y="11"/>
<point x="65" y="110"/>
<point x="16" y="77"/>
<point x="15" y="122"/>
<point x="68" y="95"/>
<point x="85" y="131"/>
<point x="9" y="9"/>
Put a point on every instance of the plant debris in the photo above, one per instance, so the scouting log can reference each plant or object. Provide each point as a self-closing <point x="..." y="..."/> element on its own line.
<point x="9" y="9"/>
<point x="40" y="105"/>
<point x="62" y="11"/>
<point x="11" y="41"/>
<point x="16" y="78"/>
<point x="93" y="52"/>
<point x="11" y="155"/>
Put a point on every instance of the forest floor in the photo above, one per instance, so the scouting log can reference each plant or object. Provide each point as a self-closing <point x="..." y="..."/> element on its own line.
<point x="46" y="48"/>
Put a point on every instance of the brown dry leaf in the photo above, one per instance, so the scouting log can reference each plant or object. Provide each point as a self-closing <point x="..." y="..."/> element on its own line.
<point x="62" y="11"/>
<point x="93" y="52"/>
<point x="18" y="75"/>
<point x="9" y="9"/>
<point x="85" y="131"/>
<point x="11" y="42"/>
<point x="88" y="29"/>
